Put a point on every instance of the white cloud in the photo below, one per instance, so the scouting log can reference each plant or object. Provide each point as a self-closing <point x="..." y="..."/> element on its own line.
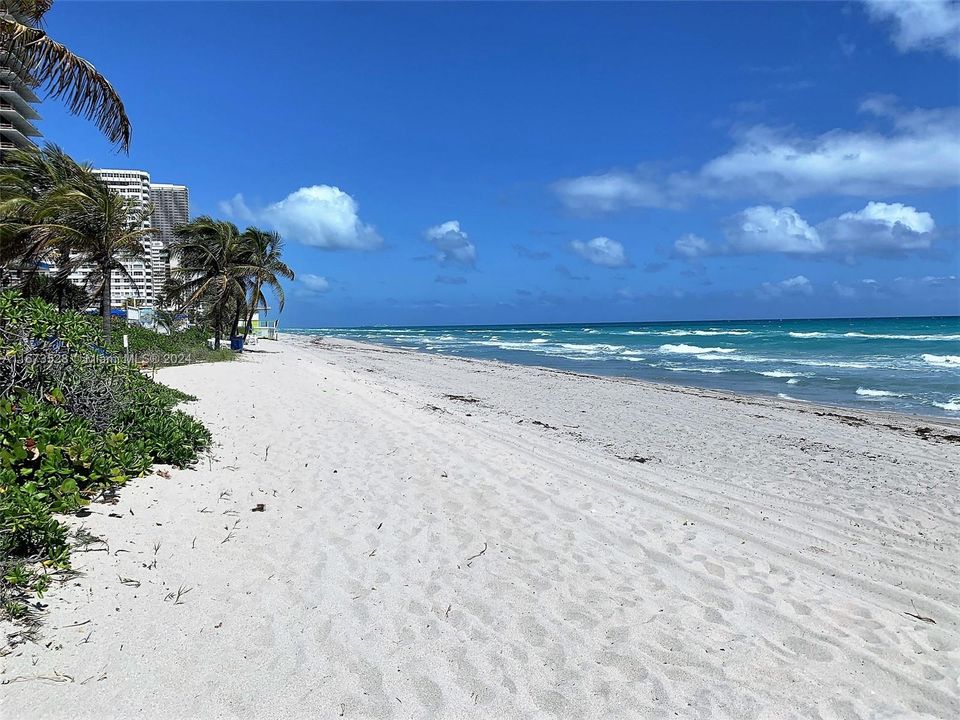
<point x="236" y="207"/>
<point x="609" y="191"/>
<point x="601" y="251"/>
<point x="939" y="280"/>
<point x="783" y="165"/>
<point x="314" y="283"/>
<point x="921" y="24"/>
<point x="692" y="246"/>
<point x="321" y="216"/>
<point x="763" y="229"/>
<point x="452" y="244"/>
<point x="797" y="285"/>
<point x="878" y="229"/>
<point x="891" y="215"/>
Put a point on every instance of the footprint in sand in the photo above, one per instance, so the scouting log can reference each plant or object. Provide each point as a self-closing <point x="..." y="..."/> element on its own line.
<point x="808" y="649"/>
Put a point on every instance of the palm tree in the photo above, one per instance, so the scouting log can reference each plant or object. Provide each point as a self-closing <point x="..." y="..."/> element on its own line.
<point x="50" y="65"/>
<point x="32" y="210"/>
<point x="104" y="229"/>
<point x="213" y="261"/>
<point x="263" y="268"/>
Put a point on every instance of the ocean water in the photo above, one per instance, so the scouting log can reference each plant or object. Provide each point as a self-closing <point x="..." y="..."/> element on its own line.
<point x="909" y="365"/>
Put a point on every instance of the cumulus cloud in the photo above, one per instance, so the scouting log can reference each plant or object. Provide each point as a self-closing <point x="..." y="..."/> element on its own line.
<point x="314" y="283"/>
<point x="878" y="229"/>
<point x="783" y="165"/>
<point x="601" y="251"/>
<point x="797" y="285"/>
<point x="452" y="244"/>
<point x="321" y="216"/>
<point x="763" y="229"/>
<point x="920" y="24"/>
<point x="610" y="191"/>
<point x="692" y="246"/>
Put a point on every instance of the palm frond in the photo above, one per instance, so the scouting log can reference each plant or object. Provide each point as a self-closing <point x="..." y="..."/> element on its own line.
<point x="62" y="74"/>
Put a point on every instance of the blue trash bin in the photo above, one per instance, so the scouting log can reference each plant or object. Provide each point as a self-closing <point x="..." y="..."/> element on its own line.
<point x="236" y="344"/>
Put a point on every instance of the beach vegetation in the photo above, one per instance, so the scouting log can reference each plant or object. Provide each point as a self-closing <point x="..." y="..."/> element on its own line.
<point x="151" y="349"/>
<point x="76" y="421"/>
<point x="57" y="215"/>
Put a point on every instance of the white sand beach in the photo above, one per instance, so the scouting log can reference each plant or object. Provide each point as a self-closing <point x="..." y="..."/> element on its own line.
<point x="462" y="539"/>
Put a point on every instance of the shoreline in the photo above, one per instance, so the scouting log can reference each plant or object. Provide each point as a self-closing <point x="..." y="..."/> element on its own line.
<point x="698" y="390"/>
<point x="441" y="538"/>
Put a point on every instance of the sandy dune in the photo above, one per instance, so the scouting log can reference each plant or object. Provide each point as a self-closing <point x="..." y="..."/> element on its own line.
<point x="538" y="545"/>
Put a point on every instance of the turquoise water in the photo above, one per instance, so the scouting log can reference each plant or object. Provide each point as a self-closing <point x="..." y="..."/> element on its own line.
<point x="907" y="365"/>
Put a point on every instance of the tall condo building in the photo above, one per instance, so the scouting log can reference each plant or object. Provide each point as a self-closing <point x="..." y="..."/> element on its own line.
<point x="16" y="105"/>
<point x="171" y="207"/>
<point x="136" y="285"/>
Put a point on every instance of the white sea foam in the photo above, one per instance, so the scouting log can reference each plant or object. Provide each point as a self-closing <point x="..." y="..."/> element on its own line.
<point x="834" y="363"/>
<point x="777" y="374"/>
<point x="793" y="381"/>
<point x="942" y="360"/>
<point x="867" y="392"/>
<point x="703" y="333"/>
<point x="693" y="349"/>
<point x="591" y="347"/>
<point x="718" y="356"/>
<point x="707" y="370"/>
<point x="539" y="341"/>
<point x="784" y="396"/>
<point x="873" y="336"/>
<point x="952" y="406"/>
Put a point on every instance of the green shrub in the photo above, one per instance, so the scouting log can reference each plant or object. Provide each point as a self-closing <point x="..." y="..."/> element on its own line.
<point x="74" y="420"/>
<point x="27" y="526"/>
<point x="155" y="349"/>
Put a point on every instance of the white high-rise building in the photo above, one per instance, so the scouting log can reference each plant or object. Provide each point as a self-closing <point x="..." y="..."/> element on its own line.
<point x="135" y="287"/>
<point x="17" y="99"/>
<point x="142" y="283"/>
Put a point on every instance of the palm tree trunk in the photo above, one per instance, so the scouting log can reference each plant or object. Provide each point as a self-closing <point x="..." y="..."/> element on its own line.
<point x="105" y="303"/>
<point x="217" y="317"/>
<point x="236" y="321"/>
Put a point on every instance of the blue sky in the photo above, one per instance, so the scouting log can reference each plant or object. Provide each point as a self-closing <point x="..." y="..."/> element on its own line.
<point x="500" y="163"/>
